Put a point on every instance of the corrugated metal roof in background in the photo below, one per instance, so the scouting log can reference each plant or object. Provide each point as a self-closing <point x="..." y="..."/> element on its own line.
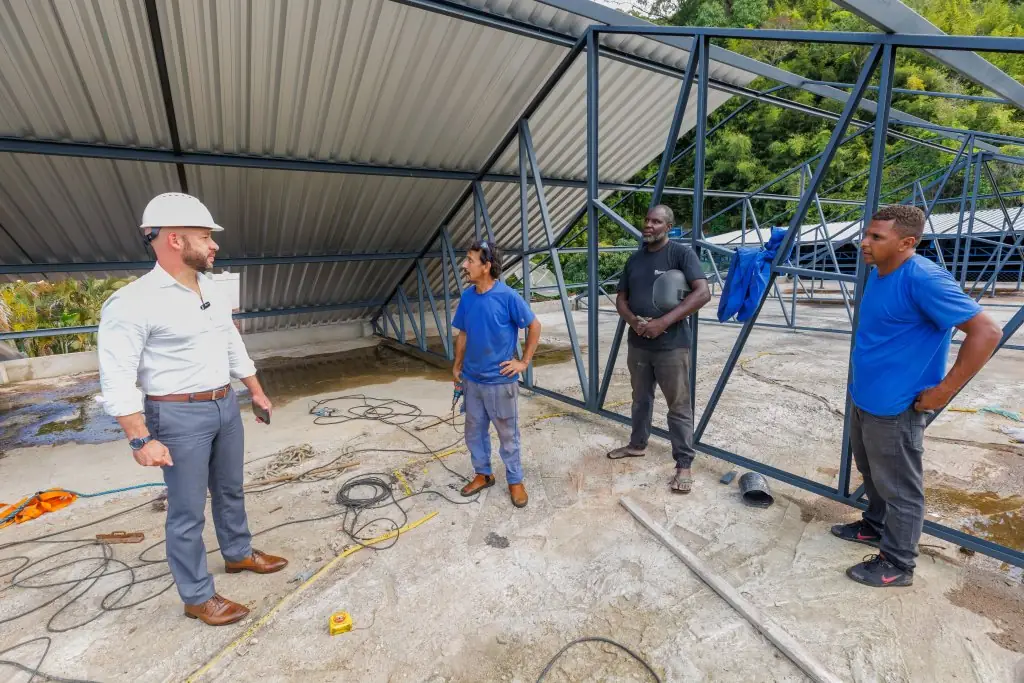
<point x="368" y="81"/>
<point x="273" y="213"/>
<point x="81" y="71"/>
<point x="63" y="209"/>
<point x="986" y="222"/>
<point x="355" y="80"/>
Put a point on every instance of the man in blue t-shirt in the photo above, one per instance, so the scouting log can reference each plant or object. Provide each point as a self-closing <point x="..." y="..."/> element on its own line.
<point x="489" y="317"/>
<point x="907" y="313"/>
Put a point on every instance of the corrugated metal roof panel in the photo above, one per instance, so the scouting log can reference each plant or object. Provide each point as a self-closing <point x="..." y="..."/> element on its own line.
<point x="285" y="213"/>
<point x="986" y="221"/>
<point x="62" y="209"/>
<point x="368" y="81"/>
<point x="81" y="71"/>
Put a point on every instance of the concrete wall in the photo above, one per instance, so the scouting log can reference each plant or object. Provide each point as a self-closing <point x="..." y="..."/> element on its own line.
<point x="24" y="369"/>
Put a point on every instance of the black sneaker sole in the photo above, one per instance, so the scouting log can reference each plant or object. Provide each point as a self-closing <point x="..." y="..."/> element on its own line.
<point x="880" y="585"/>
<point x="873" y="544"/>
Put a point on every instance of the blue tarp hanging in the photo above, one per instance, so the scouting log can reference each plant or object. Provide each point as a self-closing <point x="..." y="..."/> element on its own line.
<point x="748" y="276"/>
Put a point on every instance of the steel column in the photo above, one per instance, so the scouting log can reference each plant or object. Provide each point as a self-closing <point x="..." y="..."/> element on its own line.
<point x="538" y="186"/>
<point x="593" y="309"/>
<point x="524" y="223"/>
<point x="703" y="44"/>
<point x="874" y="192"/>
<point x="787" y="242"/>
<point x="677" y="121"/>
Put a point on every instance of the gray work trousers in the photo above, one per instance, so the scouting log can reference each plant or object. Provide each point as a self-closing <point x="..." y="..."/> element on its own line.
<point x="670" y="370"/>
<point x="888" y="452"/>
<point x="207" y="446"/>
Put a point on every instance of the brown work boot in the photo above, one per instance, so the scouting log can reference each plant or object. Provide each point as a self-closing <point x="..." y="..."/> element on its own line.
<point x="518" y="494"/>
<point x="258" y="562"/>
<point x="217" y="611"/>
<point x="479" y="483"/>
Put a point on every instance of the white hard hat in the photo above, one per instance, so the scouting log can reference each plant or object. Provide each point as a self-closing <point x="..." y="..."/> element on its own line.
<point x="177" y="209"/>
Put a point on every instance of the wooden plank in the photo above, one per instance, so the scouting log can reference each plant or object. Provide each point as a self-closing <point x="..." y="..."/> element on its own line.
<point x="781" y="639"/>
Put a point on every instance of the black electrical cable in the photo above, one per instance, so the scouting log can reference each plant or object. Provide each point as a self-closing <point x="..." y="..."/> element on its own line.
<point x="28" y="573"/>
<point x="34" y="672"/>
<point x="597" y="639"/>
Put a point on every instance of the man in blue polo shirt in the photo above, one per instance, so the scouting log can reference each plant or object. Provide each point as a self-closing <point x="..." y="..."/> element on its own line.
<point x="489" y="317"/>
<point x="909" y="308"/>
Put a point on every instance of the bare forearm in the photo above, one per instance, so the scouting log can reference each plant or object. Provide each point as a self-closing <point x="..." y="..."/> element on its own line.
<point x="134" y="425"/>
<point x="253" y="385"/>
<point x="532" y="340"/>
<point x="460" y="349"/>
<point x="975" y="351"/>
<point x="622" y="306"/>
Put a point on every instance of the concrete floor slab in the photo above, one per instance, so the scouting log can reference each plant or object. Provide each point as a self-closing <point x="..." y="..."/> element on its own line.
<point x="485" y="592"/>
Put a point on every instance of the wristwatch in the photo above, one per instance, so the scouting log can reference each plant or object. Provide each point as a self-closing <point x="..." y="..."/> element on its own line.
<point x="136" y="444"/>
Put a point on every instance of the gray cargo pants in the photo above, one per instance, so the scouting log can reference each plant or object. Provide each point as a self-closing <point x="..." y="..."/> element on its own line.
<point x="670" y="370"/>
<point x="888" y="452"/>
<point x="206" y="441"/>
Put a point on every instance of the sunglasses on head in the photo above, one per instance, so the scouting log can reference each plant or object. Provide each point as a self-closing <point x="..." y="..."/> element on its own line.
<point x="485" y="249"/>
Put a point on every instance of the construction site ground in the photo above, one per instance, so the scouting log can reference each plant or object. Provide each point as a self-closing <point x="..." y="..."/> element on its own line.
<point x="485" y="592"/>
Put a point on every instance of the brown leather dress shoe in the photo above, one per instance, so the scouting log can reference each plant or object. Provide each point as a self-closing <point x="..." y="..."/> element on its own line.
<point x="258" y="562"/>
<point x="518" y="494"/>
<point x="479" y="483"/>
<point x="217" y="611"/>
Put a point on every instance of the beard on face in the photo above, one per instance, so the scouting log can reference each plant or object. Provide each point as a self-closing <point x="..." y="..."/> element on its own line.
<point x="649" y="239"/>
<point x="194" y="258"/>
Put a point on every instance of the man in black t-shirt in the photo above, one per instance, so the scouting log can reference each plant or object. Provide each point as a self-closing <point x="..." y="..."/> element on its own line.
<point x="659" y="343"/>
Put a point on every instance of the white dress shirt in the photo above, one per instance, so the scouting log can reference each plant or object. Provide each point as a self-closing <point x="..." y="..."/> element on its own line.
<point x="154" y="333"/>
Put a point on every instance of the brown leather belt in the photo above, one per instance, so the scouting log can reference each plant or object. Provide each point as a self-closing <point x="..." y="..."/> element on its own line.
<point x="213" y="395"/>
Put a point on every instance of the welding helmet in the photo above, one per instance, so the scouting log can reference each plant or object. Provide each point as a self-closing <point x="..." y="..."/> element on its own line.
<point x="670" y="288"/>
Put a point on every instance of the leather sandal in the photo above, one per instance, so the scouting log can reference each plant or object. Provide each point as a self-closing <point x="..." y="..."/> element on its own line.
<point x="479" y="483"/>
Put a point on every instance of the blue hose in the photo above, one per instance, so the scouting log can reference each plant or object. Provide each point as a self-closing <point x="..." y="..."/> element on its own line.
<point x="14" y="513"/>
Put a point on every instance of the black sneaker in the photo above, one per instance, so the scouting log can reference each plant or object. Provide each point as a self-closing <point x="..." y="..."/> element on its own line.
<point x="878" y="572"/>
<point x="857" y="532"/>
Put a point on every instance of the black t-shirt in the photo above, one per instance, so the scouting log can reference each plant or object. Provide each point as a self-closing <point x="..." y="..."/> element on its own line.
<point x="637" y="281"/>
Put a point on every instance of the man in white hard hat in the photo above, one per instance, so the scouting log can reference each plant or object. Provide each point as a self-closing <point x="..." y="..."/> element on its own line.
<point x="171" y="333"/>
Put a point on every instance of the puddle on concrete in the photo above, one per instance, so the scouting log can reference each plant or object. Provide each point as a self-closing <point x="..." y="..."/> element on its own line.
<point x="286" y="379"/>
<point x="985" y="514"/>
<point x="55" y="415"/>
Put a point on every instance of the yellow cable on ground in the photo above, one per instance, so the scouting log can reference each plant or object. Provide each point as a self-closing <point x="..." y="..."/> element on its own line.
<point x="262" y="621"/>
<point x="401" y="478"/>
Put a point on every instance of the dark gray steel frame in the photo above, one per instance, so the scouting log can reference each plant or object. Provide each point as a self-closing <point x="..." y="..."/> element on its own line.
<point x="594" y="390"/>
<point x="593" y="384"/>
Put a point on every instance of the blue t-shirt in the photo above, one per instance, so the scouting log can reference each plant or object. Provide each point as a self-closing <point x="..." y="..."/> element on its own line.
<point x="491" y="322"/>
<point x="906" y="321"/>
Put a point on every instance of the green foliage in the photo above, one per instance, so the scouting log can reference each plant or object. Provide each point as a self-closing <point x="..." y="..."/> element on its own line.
<point x="764" y="141"/>
<point x="64" y="303"/>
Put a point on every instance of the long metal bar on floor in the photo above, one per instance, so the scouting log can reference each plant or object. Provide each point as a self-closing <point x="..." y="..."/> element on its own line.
<point x="955" y="536"/>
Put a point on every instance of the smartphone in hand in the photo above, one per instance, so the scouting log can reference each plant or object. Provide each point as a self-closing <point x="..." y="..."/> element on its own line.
<point x="261" y="413"/>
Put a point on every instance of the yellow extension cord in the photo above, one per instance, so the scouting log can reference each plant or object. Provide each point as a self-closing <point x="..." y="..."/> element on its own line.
<point x="262" y="621"/>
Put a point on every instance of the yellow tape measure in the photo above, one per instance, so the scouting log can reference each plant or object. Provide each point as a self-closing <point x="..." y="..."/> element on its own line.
<point x="340" y="622"/>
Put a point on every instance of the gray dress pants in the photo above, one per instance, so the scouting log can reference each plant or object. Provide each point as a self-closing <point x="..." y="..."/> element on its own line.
<point x="206" y="441"/>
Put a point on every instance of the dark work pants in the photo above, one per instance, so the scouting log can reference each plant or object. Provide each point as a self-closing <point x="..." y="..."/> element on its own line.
<point x="206" y="441"/>
<point x="670" y="370"/>
<point x="888" y="452"/>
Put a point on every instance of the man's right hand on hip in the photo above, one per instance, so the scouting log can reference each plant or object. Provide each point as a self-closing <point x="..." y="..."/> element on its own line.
<point x="153" y="454"/>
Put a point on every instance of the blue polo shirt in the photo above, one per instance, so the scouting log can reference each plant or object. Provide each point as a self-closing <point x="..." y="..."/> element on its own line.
<point x="491" y="322"/>
<point x="903" y="337"/>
